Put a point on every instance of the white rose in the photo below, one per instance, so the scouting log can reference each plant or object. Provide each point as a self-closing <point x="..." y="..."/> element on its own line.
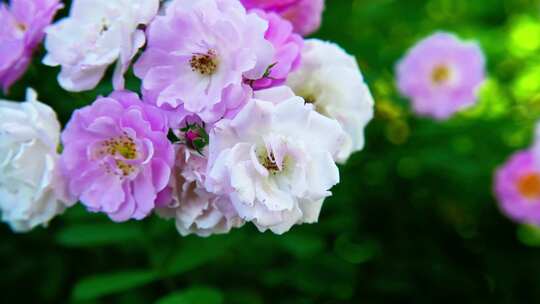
<point x="96" y="34"/>
<point x="275" y="160"/>
<point x="195" y="210"/>
<point x="331" y="80"/>
<point x="29" y="137"/>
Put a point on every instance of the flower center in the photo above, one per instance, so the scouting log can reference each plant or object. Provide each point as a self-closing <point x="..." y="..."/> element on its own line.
<point x="269" y="162"/>
<point x="204" y="64"/>
<point x="274" y="166"/>
<point x="310" y="99"/>
<point x="122" y="145"/>
<point x="104" y="26"/>
<point x="440" y="74"/>
<point x="124" y="167"/>
<point x="529" y="185"/>
<point x="21" y="27"/>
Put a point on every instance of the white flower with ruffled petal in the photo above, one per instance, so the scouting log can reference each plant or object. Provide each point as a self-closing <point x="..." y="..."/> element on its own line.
<point x="29" y="137"/>
<point x="275" y="160"/>
<point x="195" y="210"/>
<point x="95" y="35"/>
<point x="330" y="79"/>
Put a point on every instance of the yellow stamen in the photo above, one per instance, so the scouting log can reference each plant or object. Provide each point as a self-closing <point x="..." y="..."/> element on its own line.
<point x="440" y="74"/>
<point x="204" y="64"/>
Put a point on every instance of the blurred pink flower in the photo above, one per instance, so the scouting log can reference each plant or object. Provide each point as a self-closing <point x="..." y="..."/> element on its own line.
<point x="517" y="187"/>
<point x="22" y="27"/>
<point x="441" y="75"/>
<point x="117" y="156"/>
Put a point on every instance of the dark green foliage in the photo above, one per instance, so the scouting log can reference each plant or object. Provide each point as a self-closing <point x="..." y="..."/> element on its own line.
<point x="193" y="295"/>
<point x="413" y="220"/>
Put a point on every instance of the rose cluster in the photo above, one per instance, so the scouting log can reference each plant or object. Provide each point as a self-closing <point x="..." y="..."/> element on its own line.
<point x="239" y="118"/>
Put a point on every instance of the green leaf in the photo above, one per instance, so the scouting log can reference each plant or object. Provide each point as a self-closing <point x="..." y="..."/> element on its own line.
<point x="355" y="252"/>
<point x="78" y="213"/>
<point x="195" y="252"/>
<point x="204" y="134"/>
<point x="194" y="295"/>
<point x="90" y="235"/>
<point x="243" y="296"/>
<point x="106" y="284"/>
<point x="172" y="137"/>
<point x="301" y="245"/>
<point x="529" y="235"/>
<point x="199" y="143"/>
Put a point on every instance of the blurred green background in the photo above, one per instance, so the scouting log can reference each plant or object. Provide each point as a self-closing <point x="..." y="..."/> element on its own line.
<point x="412" y="221"/>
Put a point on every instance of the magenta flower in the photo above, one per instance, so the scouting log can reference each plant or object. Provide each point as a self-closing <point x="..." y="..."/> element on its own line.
<point x="517" y="186"/>
<point x="288" y="50"/>
<point x="198" y="70"/>
<point x="117" y="157"/>
<point x="441" y="75"/>
<point x="22" y="27"/>
<point x="305" y="15"/>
